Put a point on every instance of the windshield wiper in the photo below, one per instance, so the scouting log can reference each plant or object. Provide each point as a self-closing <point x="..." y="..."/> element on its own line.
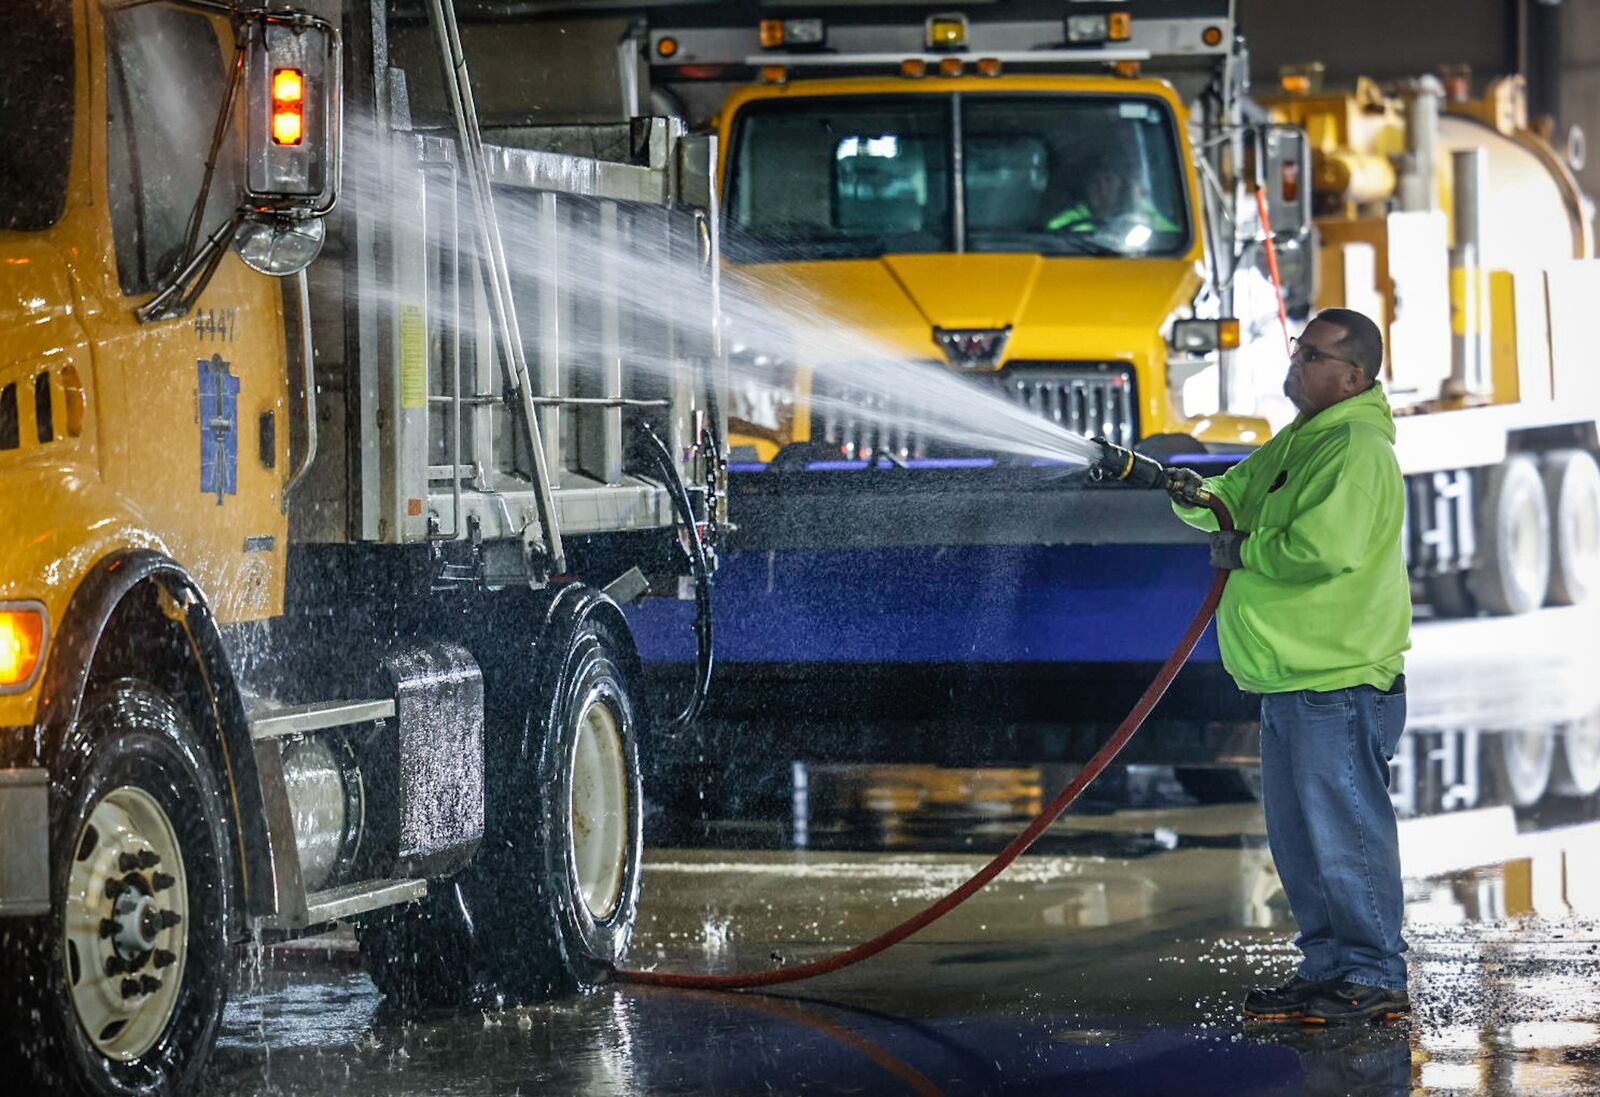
<point x="1082" y="245"/>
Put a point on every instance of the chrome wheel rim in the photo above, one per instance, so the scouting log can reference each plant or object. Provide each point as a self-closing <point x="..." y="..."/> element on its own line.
<point x="125" y="923"/>
<point x="599" y="808"/>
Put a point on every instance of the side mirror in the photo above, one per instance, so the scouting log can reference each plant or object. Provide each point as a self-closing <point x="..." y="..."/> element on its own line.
<point x="293" y="92"/>
<point x="1283" y="159"/>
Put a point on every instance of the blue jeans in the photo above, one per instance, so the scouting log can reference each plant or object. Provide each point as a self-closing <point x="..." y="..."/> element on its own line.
<point x="1325" y="787"/>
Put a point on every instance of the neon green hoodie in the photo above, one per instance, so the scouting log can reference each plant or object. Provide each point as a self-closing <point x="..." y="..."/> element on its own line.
<point x="1323" y="600"/>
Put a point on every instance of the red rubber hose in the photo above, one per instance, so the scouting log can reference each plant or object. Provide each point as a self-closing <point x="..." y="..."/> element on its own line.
<point x="1016" y="847"/>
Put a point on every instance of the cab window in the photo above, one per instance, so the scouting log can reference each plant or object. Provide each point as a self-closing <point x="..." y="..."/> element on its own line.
<point x="167" y="81"/>
<point x="36" y="110"/>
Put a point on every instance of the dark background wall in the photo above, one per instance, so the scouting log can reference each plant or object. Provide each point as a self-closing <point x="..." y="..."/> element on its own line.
<point x="1557" y="46"/>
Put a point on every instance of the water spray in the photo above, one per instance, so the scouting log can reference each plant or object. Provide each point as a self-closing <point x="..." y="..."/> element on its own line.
<point x="1115" y="463"/>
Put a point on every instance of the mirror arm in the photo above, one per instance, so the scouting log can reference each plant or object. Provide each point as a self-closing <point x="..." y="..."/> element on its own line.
<point x="168" y="304"/>
<point x="218" y="134"/>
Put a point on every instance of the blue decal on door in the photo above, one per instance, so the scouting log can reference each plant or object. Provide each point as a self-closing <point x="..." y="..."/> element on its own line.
<point x="219" y="428"/>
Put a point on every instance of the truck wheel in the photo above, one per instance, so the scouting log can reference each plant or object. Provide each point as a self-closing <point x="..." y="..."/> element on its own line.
<point x="1572" y="490"/>
<point x="1513" y="568"/>
<point x="576" y="863"/>
<point x="549" y="904"/>
<point x="1519" y="764"/>
<point x="123" y="984"/>
<point x="1238" y="784"/>
<point x="1577" y="764"/>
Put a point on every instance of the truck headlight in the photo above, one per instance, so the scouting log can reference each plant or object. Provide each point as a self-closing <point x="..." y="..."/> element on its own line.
<point x="1200" y="336"/>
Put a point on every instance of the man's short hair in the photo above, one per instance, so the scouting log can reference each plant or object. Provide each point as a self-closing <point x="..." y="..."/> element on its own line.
<point x="1362" y="340"/>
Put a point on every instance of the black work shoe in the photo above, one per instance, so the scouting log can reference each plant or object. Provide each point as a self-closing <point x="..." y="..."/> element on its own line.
<point x="1282" y="1003"/>
<point x="1348" y="1001"/>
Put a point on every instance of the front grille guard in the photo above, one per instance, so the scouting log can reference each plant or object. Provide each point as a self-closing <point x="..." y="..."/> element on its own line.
<point x="1087" y="398"/>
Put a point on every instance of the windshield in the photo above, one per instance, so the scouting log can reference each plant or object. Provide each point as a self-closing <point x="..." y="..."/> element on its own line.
<point x="837" y="177"/>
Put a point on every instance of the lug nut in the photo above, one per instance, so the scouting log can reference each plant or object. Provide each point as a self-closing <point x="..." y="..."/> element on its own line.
<point x="108" y="927"/>
<point x="149" y="984"/>
<point x="149" y="858"/>
<point x="161" y="881"/>
<point x="163" y="958"/>
<point x="131" y="988"/>
<point x="170" y="918"/>
<point x="116" y="965"/>
<point x="114" y="888"/>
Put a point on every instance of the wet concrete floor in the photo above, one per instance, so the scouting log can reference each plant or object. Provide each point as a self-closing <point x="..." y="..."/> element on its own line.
<point x="1114" y="972"/>
<point x="1111" y="962"/>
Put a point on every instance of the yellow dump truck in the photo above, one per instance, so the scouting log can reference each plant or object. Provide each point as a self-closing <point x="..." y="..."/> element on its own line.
<point x="939" y="182"/>
<point x="321" y="476"/>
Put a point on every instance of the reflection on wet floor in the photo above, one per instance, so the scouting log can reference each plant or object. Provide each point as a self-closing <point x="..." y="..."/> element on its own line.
<point x="1110" y="963"/>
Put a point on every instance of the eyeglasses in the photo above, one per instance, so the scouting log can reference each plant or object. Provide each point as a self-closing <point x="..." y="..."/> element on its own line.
<point x="1311" y="355"/>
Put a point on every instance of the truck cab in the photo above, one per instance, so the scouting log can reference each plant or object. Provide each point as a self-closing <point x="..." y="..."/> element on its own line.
<point x="1016" y="201"/>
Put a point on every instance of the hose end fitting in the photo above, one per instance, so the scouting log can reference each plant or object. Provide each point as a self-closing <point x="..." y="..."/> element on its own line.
<point x="1134" y="469"/>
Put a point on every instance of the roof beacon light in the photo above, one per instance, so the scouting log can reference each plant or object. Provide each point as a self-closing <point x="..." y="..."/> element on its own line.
<point x="288" y="106"/>
<point x="795" y="33"/>
<point x="1087" y="30"/>
<point x="946" y="32"/>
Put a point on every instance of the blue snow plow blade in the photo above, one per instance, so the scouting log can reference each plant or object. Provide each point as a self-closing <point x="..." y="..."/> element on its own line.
<point x="945" y="562"/>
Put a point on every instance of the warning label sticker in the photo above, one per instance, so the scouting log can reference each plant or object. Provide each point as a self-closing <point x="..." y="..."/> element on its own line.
<point x="413" y="357"/>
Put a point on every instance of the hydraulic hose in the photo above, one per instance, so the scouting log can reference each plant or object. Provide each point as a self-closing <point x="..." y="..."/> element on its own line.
<point x="1135" y="719"/>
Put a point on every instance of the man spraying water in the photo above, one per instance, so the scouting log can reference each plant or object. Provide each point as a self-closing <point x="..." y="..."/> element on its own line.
<point x="1316" y="618"/>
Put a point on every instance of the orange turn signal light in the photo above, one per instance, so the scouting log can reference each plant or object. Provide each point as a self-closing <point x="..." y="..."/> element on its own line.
<point x="288" y="106"/>
<point x="667" y="47"/>
<point x="21" y="643"/>
<point x="1127" y="69"/>
<point x="771" y="33"/>
<point x="1119" y="26"/>
<point x="774" y="74"/>
<point x="1228" y="334"/>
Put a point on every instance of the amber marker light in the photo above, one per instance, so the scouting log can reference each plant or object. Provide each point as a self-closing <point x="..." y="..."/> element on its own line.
<point x="774" y="74"/>
<point x="914" y="68"/>
<point x="950" y="66"/>
<point x="1127" y="69"/>
<point x="1119" y="26"/>
<point x="988" y="66"/>
<point x="1211" y="36"/>
<point x="21" y="644"/>
<point x="1228" y="334"/>
<point x="667" y="47"/>
<point x="288" y="106"/>
<point x="771" y="33"/>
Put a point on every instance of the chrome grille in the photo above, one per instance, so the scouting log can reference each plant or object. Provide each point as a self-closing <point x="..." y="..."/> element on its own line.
<point x="1089" y="399"/>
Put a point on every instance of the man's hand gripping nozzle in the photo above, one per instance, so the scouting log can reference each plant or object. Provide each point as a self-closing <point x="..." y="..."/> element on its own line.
<point x="1135" y="469"/>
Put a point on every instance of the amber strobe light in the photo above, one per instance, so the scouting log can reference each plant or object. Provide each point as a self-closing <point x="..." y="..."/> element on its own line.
<point x="288" y="106"/>
<point x="21" y="641"/>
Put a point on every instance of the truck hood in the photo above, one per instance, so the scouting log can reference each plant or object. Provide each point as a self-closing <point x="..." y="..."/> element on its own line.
<point x="1066" y="308"/>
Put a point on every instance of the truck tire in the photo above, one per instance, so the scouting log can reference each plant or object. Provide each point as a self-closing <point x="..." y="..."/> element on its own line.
<point x="1577" y="763"/>
<point x="119" y="990"/>
<point x="1449" y="596"/>
<point x="1226" y="785"/>
<point x="1519" y="765"/>
<point x="549" y="904"/>
<point x="1513" y="567"/>
<point x="1572" y="490"/>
